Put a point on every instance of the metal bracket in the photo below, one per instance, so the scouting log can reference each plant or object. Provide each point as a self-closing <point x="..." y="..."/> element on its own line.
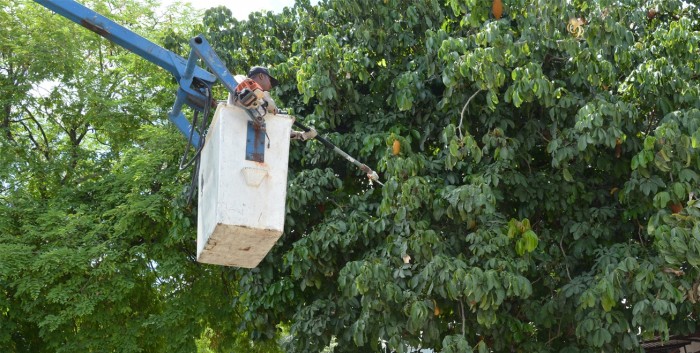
<point x="255" y="143"/>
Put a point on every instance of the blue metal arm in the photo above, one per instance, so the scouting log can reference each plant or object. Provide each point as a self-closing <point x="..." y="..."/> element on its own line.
<point x="192" y="79"/>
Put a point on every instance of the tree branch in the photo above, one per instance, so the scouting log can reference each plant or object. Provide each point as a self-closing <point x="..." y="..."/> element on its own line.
<point x="41" y="129"/>
<point x="461" y="118"/>
<point x="82" y="134"/>
<point x="36" y="144"/>
<point x="461" y="309"/>
<point x="564" y="253"/>
<point x="6" y="122"/>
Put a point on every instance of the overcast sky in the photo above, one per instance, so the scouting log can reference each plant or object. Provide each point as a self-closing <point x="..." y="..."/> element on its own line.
<point x="240" y="8"/>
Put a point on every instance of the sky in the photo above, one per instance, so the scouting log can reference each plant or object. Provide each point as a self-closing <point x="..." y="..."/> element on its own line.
<point x="240" y="8"/>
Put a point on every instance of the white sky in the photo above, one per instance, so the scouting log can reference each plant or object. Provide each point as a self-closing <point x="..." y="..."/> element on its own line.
<point x="240" y="8"/>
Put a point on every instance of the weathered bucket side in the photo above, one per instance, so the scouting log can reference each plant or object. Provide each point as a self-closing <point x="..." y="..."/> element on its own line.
<point x="242" y="200"/>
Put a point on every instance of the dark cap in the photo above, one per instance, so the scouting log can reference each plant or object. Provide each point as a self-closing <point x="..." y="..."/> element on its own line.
<point x="262" y="70"/>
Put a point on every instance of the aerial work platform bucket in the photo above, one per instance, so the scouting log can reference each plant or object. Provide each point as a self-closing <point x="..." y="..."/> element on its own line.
<point x="242" y="187"/>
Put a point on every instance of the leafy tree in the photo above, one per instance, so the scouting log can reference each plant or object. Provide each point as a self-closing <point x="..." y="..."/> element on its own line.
<point x="96" y="239"/>
<point x="540" y="168"/>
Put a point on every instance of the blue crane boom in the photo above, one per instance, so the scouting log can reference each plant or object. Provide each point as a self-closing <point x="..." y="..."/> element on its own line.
<point x="193" y="80"/>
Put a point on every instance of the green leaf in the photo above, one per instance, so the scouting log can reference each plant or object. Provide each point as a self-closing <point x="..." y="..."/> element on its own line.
<point x="454" y="149"/>
<point x="456" y="344"/>
<point x="607" y="301"/>
<point x="481" y="346"/>
<point x="520" y="247"/>
<point x="635" y="162"/>
<point x="531" y="241"/>
<point x="662" y="199"/>
<point x="418" y="316"/>
<point x="582" y="143"/>
<point x="649" y="142"/>
<point x="513" y="228"/>
<point x="567" y="175"/>
<point x="517" y="100"/>
<point x="678" y="190"/>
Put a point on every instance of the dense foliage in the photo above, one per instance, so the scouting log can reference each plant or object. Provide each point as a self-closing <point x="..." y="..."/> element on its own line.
<point x="540" y="164"/>
<point x="544" y="193"/>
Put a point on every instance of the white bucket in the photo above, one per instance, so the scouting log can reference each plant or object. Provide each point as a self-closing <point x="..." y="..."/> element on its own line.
<point x="241" y="206"/>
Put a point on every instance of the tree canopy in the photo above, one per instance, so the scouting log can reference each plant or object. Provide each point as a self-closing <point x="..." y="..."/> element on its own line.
<point x="540" y="163"/>
<point x="96" y="247"/>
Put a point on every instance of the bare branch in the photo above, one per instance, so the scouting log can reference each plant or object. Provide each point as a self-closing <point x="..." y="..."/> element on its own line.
<point x="41" y="129"/>
<point x="461" y="118"/>
<point x="43" y="151"/>
<point x="461" y="309"/>
<point x="564" y="253"/>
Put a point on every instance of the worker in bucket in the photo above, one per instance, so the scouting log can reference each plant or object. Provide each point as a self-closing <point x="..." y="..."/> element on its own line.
<point x="255" y="88"/>
<point x="262" y="76"/>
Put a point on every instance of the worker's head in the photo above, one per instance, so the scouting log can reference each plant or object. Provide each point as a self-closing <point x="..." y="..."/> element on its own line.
<point x="262" y="76"/>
